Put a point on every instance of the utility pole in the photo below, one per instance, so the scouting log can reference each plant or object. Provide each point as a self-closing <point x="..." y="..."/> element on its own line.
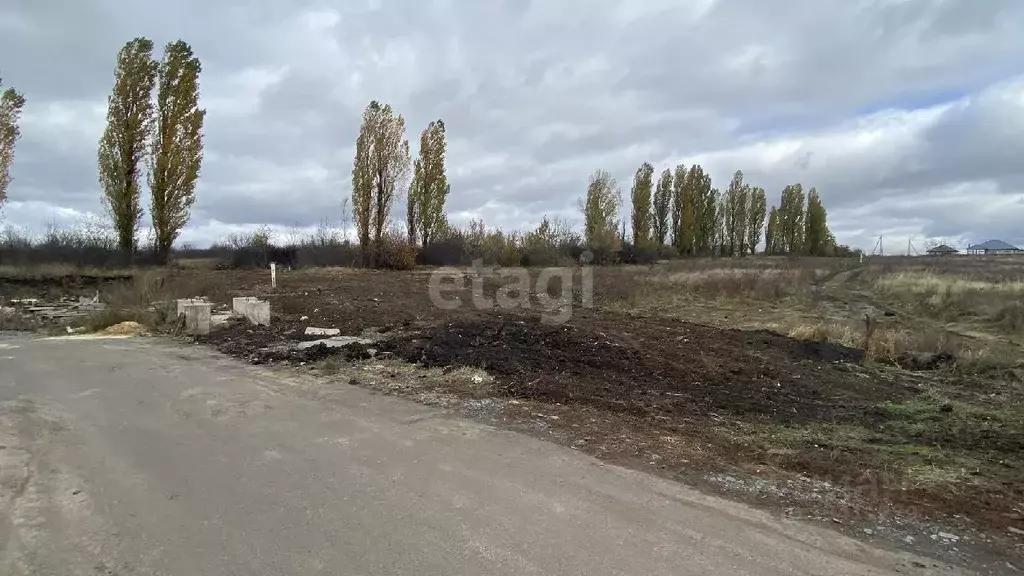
<point x="878" y="248"/>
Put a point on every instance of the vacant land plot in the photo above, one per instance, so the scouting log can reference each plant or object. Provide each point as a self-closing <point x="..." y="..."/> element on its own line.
<point x="899" y="382"/>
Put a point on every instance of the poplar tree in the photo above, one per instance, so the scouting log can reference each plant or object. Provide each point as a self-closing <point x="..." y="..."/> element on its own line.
<point x="771" y="232"/>
<point x="600" y="212"/>
<point x="431" y="191"/>
<point x="662" y="207"/>
<point x="643" y="181"/>
<point x="381" y="164"/>
<point x="705" y="201"/>
<point x="755" y="217"/>
<point x="818" y="240"/>
<point x="122" y="147"/>
<point x="679" y="224"/>
<point x="176" y="148"/>
<point x="791" y="220"/>
<point x="11" y="104"/>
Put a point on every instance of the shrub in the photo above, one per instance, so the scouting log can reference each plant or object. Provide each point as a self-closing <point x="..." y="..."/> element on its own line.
<point x="447" y="251"/>
<point x="633" y="254"/>
<point x="1010" y="316"/>
<point x="395" y="253"/>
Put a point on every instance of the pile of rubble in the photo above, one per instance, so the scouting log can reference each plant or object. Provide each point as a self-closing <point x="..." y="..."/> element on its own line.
<point x="62" y="311"/>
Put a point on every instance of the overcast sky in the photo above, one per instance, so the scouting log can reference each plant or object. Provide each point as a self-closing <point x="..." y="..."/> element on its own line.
<point x="907" y="115"/>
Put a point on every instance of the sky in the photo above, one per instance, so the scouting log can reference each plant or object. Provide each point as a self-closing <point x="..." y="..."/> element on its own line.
<point x="906" y="115"/>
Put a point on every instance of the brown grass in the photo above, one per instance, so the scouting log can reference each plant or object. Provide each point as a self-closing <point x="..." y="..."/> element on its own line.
<point x="50" y="271"/>
<point x="140" y="299"/>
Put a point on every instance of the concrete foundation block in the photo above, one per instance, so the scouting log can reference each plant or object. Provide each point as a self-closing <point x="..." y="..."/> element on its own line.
<point x="180" y="304"/>
<point x="238" y="304"/>
<point x="197" y="317"/>
<point x="258" y="312"/>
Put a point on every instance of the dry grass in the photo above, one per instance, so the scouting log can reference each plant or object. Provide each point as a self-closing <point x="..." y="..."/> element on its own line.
<point x="884" y="345"/>
<point x="51" y="271"/>
<point x="756" y="283"/>
<point x="950" y="296"/>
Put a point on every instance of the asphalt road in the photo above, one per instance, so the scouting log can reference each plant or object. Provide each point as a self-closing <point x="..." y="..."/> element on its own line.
<point x="137" y="456"/>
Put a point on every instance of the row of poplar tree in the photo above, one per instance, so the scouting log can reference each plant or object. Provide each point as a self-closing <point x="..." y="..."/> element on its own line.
<point x="382" y="165"/>
<point x="683" y="210"/>
<point x="154" y="129"/>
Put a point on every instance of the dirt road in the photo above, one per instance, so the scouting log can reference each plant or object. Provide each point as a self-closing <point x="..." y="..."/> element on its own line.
<point x="137" y="456"/>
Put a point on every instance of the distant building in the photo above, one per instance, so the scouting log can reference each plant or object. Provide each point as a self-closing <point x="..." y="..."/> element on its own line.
<point x="942" y="250"/>
<point x="994" y="247"/>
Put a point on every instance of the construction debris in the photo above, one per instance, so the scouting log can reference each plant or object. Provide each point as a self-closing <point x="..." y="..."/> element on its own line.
<point x="63" y="309"/>
<point x="334" y="342"/>
<point x="313" y="331"/>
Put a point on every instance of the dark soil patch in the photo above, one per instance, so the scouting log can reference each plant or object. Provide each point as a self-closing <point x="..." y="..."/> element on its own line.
<point x="663" y="370"/>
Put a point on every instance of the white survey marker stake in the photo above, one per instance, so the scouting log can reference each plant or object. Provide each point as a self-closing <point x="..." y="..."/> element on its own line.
<point x="273" y="275"/>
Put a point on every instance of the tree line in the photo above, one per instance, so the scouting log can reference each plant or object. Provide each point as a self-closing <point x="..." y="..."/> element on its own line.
<point x="161" y="139"/>
<point x="682" y="210"/>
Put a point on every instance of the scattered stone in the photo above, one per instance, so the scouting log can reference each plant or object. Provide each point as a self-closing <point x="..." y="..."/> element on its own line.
<point x="314" y="331"/>
<point x="946" y="536"/>
<point x="869" y="531"/>
<point x="304" y="318"/>
<point x="1016" y="531"/>
<point x="334" y="342"/>
<point x="908" y="539"/>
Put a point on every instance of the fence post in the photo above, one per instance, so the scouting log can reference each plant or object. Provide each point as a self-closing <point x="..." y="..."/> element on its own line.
<point x="273" y="275"/>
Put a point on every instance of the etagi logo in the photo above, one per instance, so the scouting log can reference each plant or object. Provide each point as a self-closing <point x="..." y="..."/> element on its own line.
<point x="517" y="288"/>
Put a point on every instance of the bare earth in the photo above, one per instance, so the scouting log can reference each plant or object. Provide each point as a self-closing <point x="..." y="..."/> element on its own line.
<point x="138" y="456"/>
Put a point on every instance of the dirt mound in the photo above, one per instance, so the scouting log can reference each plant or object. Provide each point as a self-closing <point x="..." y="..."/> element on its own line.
<point x="650" y="368"/>
<point x="128" y="328"/>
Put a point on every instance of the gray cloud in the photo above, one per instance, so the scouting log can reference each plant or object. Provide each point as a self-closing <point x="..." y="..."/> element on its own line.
<point x="905" y="115"/>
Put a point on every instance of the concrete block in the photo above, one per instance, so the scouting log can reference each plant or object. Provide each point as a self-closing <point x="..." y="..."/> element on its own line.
<point x="197" y="317"/>
<point x="238" y="304"/>
<point x="219" y="319"/>
<point x="314" y="331"/>
<point x="180" y="304"/>
<point x="258" y="313"/>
